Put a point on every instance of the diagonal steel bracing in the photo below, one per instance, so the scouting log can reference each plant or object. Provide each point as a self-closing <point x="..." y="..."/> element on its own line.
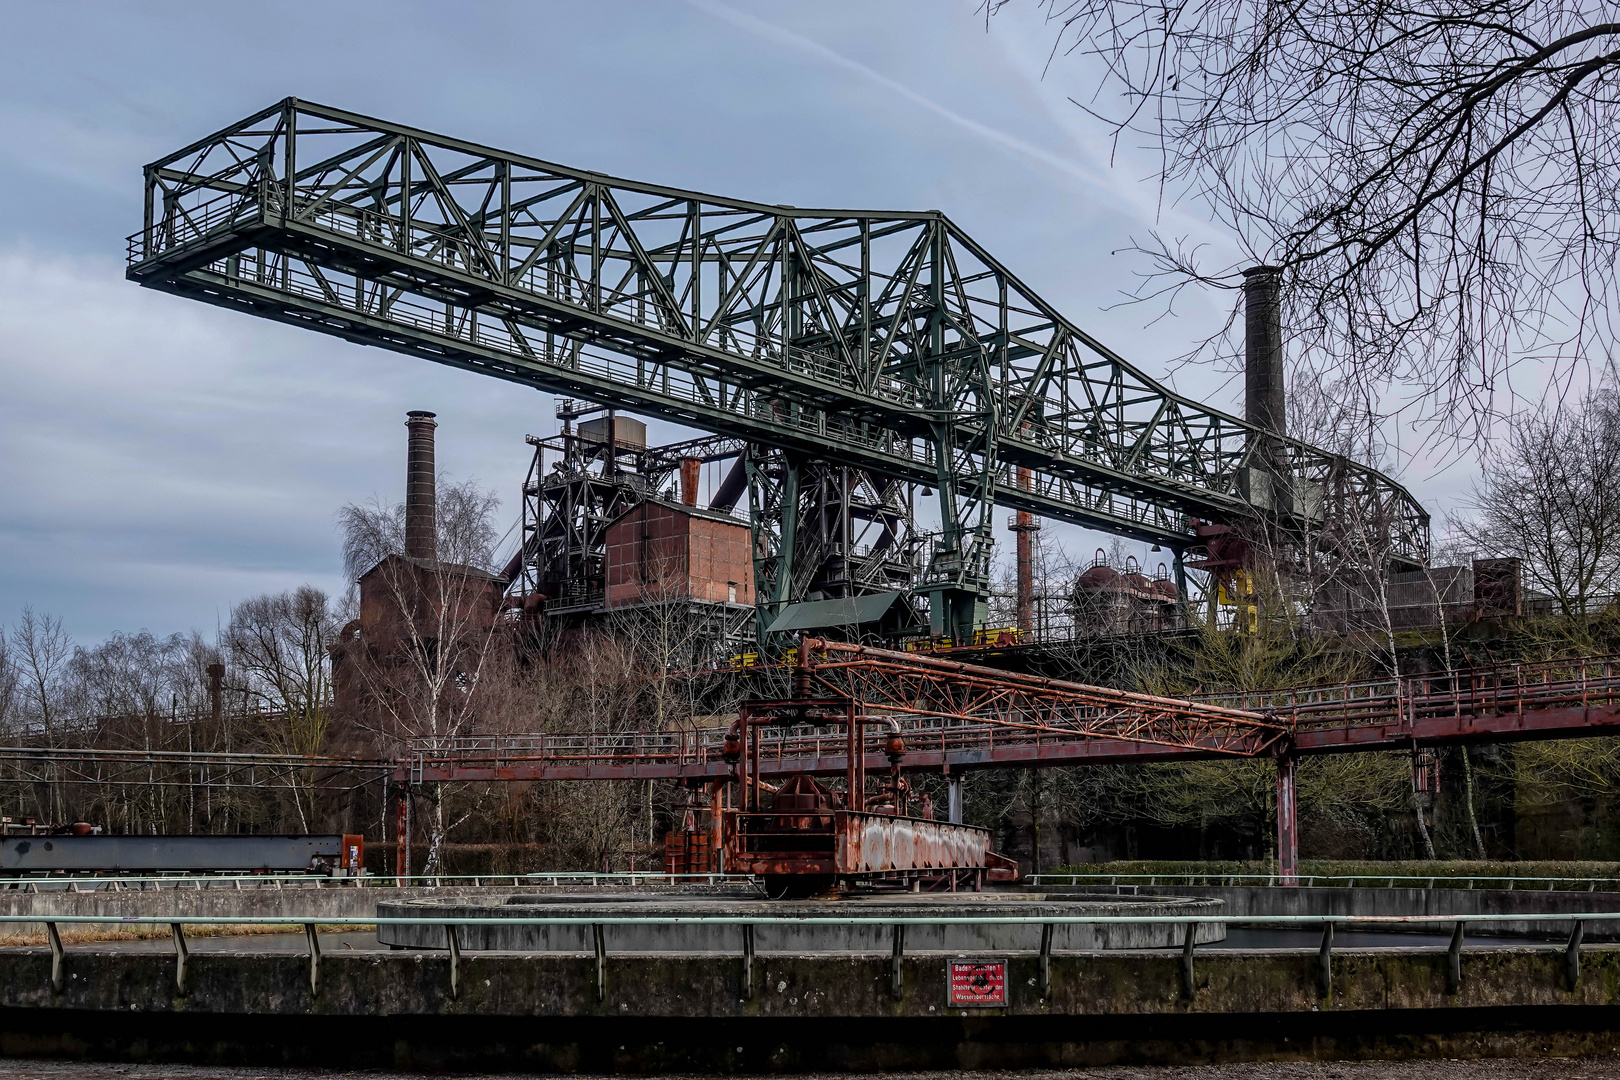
<point x="909" y="686"/>
<point x="1062" y="723"/>
<point x="885" y="341"/>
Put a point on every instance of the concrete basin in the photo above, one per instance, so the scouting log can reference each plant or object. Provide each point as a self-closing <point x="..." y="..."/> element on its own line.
<point x="798" y="939"/>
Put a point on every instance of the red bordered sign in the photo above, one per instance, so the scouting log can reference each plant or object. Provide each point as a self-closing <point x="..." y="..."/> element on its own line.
<point x="976" y="983"/>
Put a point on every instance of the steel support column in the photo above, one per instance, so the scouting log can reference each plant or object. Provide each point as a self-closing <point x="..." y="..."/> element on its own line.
<point x="1287" y="821"/>
<point x="773" y="511"/>
<point x="402" y="832"/>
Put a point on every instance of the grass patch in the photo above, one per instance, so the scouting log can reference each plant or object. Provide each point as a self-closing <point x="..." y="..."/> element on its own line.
<point x="1602" y="874"/>
<point x="81" y="933"/>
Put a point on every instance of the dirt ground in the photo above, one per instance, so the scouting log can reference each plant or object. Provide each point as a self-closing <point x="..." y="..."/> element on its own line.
<point x="1486" y="1069"/>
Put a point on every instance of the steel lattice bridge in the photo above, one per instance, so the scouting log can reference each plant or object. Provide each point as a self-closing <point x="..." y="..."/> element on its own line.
<point x="890" y="342"/>
<point x="953" y="717"/>
<point x="957" y="716"/>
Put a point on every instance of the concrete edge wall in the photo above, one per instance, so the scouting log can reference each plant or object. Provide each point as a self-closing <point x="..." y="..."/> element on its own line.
<point x="223" y="901"/>
<point x="1259" y="900"/>
<point x="696" y="1013"/>
<point x="707" y="986"/>
<point x="803" y="939"/>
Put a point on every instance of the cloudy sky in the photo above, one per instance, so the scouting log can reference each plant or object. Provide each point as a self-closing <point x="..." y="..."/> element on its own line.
<point x="160" y="460"/>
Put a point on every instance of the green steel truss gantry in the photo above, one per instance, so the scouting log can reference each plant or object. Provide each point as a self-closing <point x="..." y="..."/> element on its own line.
<point x="888" y="342"/>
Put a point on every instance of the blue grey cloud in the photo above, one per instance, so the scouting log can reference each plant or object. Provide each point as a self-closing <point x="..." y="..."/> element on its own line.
<point x="160" y="460"/>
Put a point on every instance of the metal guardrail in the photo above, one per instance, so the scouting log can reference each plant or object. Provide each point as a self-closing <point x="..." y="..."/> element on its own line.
<point x="368" y="921"/>
<point x="116" y="882"/>
<point x="897" y="925"/>
<point x="1373" y="881"/>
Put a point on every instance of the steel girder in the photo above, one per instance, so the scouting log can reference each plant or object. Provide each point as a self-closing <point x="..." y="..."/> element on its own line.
<point x="186" y="768"/>
<point x="1557" y="699"/>
<point x="886" y="341"/>
<point x="906" y="685"/>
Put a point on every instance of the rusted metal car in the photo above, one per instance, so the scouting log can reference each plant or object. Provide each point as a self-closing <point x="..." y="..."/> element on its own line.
<point x="802" y="854"/>
<point x="805" y="837"/>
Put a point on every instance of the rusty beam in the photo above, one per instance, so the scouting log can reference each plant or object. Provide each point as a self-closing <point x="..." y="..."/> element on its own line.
<point x="1548" y="724"/>
<point x="960" y="716"/>
<point x="911" y="685"/>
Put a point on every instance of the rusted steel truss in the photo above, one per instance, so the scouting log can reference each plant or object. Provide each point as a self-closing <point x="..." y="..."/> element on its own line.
<point x="906" y="685"/>
<point x="187" y="769"/>
<point x="1546" y="700"/>
<point x="1549" y="700"/>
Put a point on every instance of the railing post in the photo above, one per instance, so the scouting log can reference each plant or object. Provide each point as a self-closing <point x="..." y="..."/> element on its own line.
<point x="314" y="960"/>
<point x="453" y="942"/>
<point x="599" y="940"/>
<point x="1454" y="960"/>
<point x="748" y="962"/>
<point x="1046" y="961"/>
<point x="1287" y="822"/>
<point x="1324" y="972"/>
<point x="58" y="957"/>
<point x="896" y="959"/>
<point x="1187" y="983"/>
<point x="1572" y="955"/>
<point x="181" y="954"/>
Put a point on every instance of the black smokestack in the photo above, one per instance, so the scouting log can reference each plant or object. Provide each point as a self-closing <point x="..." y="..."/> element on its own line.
<point x="1263" y="400"/>
<point x="421" y="499"/>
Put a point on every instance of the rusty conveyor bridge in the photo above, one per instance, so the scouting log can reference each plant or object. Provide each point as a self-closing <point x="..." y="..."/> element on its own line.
<point x="962" y="716"/>
<point x="955" y="716"/>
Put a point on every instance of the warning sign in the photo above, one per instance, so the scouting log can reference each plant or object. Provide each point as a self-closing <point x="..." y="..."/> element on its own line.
<point x="977" y="982"/>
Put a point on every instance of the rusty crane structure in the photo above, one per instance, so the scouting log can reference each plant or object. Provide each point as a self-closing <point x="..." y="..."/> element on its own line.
<point x="884" y="352"/>
<point x="858" y="360"/>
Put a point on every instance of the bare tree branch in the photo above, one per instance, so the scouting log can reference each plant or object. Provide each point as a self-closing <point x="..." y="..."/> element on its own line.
<point x="1438" y="181"/>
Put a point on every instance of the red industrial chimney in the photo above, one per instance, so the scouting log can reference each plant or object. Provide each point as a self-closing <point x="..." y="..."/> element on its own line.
<point x="1025" y="526"/>
<point x="421" y="499"/>
<point x="689" y="480"/>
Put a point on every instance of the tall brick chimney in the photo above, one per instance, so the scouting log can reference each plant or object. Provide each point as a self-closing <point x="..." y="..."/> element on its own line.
<point x="421" y="498"/>
<point x="1263" y="399"/>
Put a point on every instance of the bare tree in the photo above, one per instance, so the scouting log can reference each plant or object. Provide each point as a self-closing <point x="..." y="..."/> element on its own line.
<point x="603" y="686"/>
<point x="43" y="649"/>
<point x="465" y="521"/>
<point x="131" y="692"/>
<point x="1438" y="182"/>
<point x="278" y="647"/>
<point x="425" y="653"/>
<point x="127" y="675"/>
<point x="1551" y="499"/>
<point x="9" y="686"/>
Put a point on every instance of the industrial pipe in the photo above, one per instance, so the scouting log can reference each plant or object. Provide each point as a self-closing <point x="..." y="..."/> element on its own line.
<point x="689" y="480"/>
